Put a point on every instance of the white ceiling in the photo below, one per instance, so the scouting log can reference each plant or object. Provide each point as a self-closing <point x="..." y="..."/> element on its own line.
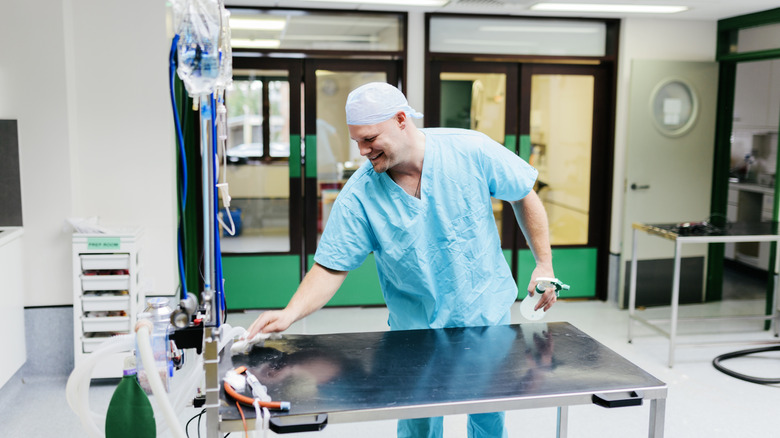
<point x="709" y="10"/>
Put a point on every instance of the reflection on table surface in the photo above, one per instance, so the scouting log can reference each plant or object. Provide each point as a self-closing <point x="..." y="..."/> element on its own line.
<point x="354" y="371"/>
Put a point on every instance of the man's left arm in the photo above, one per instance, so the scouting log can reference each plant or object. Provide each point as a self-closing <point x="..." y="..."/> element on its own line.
<point x="532" y="218"/>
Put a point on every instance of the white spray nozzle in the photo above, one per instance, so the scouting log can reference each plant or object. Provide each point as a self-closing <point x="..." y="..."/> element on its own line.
<point x="543" y="283"/>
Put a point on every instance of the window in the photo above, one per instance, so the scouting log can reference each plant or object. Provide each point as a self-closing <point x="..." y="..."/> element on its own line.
<point x="258" y="121"/>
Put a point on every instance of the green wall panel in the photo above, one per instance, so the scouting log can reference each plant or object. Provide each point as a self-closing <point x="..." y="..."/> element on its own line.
<point x="268" y="282"/>
<point x="310" y="166"/>
<point x="260" y="282"/>
<point x="510" y="142"/>
<point x="361" y="288"/>
<point x="525" y="147"/>
<point x="508" y="256"/>
<point x="573" y="266"/>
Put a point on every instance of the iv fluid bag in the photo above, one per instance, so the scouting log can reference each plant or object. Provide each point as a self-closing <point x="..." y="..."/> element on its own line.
<point x="198" y="47"/>
<point x="225" y="77"/>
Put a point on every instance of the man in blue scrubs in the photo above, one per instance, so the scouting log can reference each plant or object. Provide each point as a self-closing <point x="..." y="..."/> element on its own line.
<point x="421" y="203"/>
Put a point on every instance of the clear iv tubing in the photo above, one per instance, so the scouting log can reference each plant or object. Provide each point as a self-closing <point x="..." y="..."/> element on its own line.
<point x="77" y="388"/>
<point x="143" y="338"/>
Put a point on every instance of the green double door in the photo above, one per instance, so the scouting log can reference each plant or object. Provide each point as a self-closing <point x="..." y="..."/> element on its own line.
<point x="556" y="117"/>
<point x="288" y="155"/>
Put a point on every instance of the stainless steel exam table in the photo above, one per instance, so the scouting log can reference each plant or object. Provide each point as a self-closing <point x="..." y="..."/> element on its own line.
<point x="350" y="377"/>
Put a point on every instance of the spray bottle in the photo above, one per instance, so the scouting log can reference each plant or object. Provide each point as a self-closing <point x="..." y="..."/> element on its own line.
<point x="529" y="303"/>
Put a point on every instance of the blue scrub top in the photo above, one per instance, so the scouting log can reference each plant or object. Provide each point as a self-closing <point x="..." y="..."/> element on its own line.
<point x="438" y="258"/>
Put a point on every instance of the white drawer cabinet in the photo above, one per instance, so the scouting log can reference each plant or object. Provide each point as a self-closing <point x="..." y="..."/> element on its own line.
<point x="106" y="272"/>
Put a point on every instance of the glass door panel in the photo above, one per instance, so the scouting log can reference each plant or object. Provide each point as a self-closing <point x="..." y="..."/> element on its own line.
<point x="337" y="155"/>
<point x="476" y="101"/>
<point x="557" y="118"/>
<point x="262" y="263"/>
<point x="257" y="163"/>
<point x="331" y="157"/>
<point x="561" y="131"/>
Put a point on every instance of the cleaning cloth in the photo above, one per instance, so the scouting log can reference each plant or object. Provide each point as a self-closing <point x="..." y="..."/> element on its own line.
<point x="243" y="345"/>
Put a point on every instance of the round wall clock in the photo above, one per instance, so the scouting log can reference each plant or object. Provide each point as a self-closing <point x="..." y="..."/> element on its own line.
<point x="674" y="107"/>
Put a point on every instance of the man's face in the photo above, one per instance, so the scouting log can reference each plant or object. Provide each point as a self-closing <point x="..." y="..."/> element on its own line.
<point x="380" y="143"/>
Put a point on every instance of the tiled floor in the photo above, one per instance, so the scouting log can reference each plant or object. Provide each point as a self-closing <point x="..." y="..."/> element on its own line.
<point x="702" y="401"/>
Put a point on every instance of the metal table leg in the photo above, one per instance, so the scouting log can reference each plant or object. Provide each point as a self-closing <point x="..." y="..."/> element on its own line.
<point x="211" y="368"/>
<point x="675" y="301"/>
<point x="632" y="287"/>
<point x="657" y="413"/>
<point x="775" y="310"/>
<point x="563" y="422"/>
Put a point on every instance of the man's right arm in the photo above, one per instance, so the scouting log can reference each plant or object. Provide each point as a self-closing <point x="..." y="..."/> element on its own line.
<point x="317" y="288"/>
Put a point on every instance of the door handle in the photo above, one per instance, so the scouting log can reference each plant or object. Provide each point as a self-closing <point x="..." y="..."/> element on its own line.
<point x="634" y="186"/>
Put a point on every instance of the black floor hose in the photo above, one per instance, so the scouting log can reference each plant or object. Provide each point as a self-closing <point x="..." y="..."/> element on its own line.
<point x="766" y="381"/>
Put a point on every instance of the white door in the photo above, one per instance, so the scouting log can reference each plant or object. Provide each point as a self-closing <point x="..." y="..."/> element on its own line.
<point x="669" y="153"/>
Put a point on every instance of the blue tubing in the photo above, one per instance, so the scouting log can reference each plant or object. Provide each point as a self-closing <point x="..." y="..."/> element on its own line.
<point x="183" y="155"/>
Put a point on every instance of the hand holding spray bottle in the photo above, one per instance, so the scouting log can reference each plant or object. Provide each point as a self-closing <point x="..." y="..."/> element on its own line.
<point x="529" y="303"/>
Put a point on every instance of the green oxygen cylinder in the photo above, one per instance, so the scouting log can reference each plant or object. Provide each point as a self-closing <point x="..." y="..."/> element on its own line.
<point x="130" y="414"/>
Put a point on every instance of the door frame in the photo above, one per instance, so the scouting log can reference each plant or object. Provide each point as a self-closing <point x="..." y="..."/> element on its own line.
<point x="602" y="154"/>
<point x="728" y="35"/>
<point x="242" y="271"/>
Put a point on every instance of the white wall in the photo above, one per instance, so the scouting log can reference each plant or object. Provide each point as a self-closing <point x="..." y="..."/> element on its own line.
<point x="415" y="74"/>
<point x="32" y="90"/>
<point x="87" y="81"/>
<point x="13" y="344"/>
<point x="650" y="39"/>
<point x="125" y="148"/>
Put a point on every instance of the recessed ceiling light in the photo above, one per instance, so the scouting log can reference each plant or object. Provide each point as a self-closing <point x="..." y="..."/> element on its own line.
<point x="490" y="43"/>
<point x="256" y="24"/>
<point x="391" y="2"/>
<point x="243" y="43"/>
<point x="593" y="7"/>
<point x="539" y="29"/>
<point x="346" y="38"/>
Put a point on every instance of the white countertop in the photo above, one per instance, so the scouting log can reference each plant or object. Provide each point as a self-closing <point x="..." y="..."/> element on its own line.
<point x="8" y="234"/>
<point x="752" y="187"/>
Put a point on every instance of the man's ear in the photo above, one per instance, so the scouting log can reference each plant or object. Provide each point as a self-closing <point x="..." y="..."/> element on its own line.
<point x="401" y="119"/>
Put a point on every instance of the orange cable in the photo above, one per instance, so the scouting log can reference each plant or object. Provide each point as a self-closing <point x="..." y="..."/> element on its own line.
<point x="243" y="420"/>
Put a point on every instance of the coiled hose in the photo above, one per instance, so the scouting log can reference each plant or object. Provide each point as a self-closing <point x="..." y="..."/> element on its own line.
<point x="765" y="381"/>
